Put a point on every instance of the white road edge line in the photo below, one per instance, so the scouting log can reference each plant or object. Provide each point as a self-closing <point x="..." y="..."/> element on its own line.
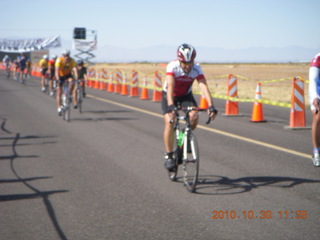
<point x="260" y="143"/>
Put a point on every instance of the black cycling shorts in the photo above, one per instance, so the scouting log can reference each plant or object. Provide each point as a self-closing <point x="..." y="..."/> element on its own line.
<point x="185" y="101"/>
<point x="63" y="78"/>
<point x="44" y="71"/>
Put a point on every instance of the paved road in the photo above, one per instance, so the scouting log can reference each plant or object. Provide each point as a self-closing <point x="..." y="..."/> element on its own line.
<point x="101" y="176"/>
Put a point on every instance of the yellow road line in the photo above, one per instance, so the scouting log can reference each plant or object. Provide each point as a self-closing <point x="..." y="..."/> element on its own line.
<point x="257" y="142"/>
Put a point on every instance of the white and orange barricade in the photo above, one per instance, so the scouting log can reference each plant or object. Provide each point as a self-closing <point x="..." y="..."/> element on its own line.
<point x="117" y="86"/>
<point x="110" y="84"/>
<point x="91" y="76"/>
<point x="232" y="108"/>
<point x="124" y="86"/>
<point x="104" y="77"/>
<point x="144" y="91"/>
<point x="134" y="89"/>
<point x="297" y="112"/>
<point x="157" y="92"/>
<point x="257" y="109"/>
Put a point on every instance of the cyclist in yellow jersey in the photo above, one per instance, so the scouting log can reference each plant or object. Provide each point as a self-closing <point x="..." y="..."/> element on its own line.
<point x="65" y="66"/>
<point x="44" y="68"/>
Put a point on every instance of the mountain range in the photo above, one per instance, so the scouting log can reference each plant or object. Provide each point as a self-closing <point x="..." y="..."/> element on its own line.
<point x="165" y="53"/>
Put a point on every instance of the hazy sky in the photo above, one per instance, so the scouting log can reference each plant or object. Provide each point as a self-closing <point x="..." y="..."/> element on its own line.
<point x="230" y="24"/>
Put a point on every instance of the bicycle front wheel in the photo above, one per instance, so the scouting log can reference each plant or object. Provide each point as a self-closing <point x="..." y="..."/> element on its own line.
<point x="66" y="108"/>
<point x="67" y="113"/>
<point x="79" y="100"/>
<point x="190" y="162"/>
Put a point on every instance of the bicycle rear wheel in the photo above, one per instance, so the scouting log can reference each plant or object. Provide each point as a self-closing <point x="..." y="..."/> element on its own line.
<point x="190" y="162"/>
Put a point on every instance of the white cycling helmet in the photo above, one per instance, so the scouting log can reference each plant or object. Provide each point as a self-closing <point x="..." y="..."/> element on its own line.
<point x="45" y="56"/>
<point x="186" y="53"/>
<point x="65" y="52"/>
<point x="54" y="56"/>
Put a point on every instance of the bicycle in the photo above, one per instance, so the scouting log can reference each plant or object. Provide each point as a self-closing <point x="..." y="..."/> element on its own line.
<point x="65" y="97"/>
<point x="186" y="150"/>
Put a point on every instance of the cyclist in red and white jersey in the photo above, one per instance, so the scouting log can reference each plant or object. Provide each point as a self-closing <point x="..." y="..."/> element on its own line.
<point x="177" y="90"/>
<point x="314" y="95"/>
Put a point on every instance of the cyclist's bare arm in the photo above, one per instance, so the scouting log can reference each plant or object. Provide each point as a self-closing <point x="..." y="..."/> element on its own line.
<point x="206" y="92"/>
<point x="170" y="90"/>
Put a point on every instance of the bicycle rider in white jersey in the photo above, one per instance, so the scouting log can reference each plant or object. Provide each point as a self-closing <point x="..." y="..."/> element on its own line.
<point x="7" y="62"/>
<point x="177" y="89"/>
<point x="314" y="95"/>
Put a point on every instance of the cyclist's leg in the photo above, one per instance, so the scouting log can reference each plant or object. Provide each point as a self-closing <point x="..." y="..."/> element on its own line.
<point x="59" y="92"/>
<point x="51" y="77"/>
<point x="83" y="85"/>
<point x="21" y="73"/>
<point x="75" y="94"/>
<point x="43" y="75"/>
<point x="168" y="135"/>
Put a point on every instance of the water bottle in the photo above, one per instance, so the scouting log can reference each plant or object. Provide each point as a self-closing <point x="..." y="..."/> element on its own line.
<point x="181" y="135"/>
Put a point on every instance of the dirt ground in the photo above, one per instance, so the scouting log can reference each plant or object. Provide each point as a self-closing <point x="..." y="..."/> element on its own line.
<point x="248" y="77"/>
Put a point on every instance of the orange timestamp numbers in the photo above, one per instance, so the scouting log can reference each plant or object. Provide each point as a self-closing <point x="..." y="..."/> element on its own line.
<point x="262" y="214"/>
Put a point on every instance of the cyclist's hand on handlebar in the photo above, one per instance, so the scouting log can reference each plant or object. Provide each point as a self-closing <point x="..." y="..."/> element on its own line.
<point x="212" y="112"/>
<point x="171" y="109"/>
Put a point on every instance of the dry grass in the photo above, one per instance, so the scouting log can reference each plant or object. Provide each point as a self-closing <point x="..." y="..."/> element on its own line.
<point x="275" y="91"/>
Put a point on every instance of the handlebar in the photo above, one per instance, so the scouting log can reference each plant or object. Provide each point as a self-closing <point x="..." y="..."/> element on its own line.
<point x="189" y="109"/>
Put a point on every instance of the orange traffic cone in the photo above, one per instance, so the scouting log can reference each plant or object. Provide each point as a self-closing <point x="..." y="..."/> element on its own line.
<point x="257" y="111"/>
<point x="232" y="91"/>
<point x="157" y="94"/>
<point x="124" y="87"/>
<point x="97" y="81"/>
<point x="110" y="85"/>
<point x="144" y="91"/>
<point x="203" y="102"/>
<point x="297" y="113"/>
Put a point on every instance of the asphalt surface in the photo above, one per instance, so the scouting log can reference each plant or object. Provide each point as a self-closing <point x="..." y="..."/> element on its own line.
<point x="101" y="176"/>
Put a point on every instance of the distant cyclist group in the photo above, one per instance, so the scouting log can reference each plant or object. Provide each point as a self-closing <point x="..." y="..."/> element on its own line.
<point x="63" y="70"/>
<point x="21" y="67"/>
<point x="55" y="73"/>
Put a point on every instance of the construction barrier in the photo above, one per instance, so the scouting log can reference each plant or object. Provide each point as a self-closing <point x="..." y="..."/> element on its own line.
<point x="104" y="77"/>
<point x="232" y="108"/>
<point x="298" y="112"/>
<point x="257" y="110"/>
<point x="117" y="86"/>
<point x="134" y="89"/>
<point x="157" y="91"/>
<point x="91" y="76"/>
